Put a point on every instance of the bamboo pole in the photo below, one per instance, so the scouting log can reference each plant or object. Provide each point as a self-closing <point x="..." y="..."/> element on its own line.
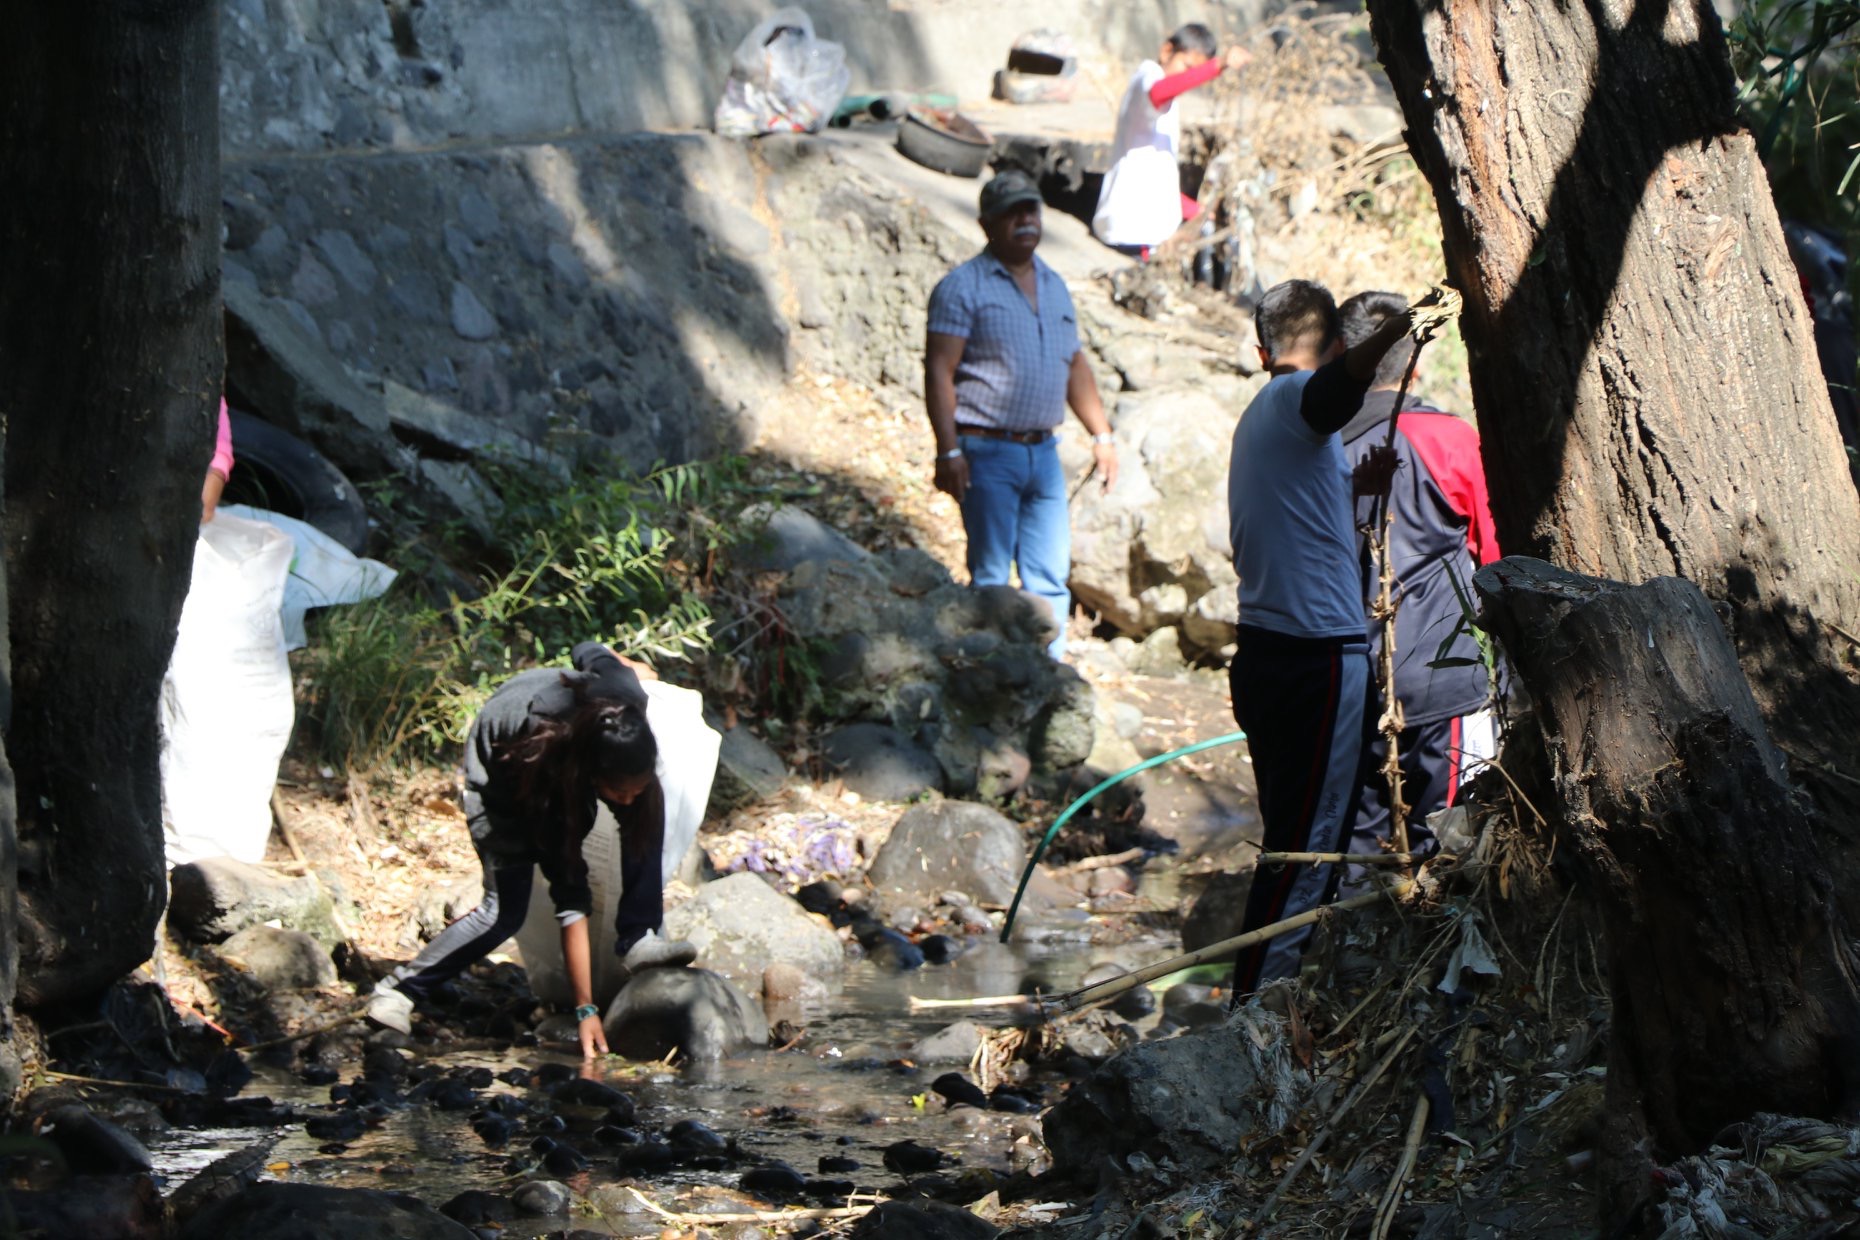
<point x="751" y="1216"/>
<point x="1391" y="1199"/>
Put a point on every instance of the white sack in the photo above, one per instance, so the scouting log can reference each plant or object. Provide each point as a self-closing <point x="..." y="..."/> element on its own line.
<point x="226" y="709"/>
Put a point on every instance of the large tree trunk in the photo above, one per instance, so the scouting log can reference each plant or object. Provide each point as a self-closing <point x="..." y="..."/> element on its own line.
<point x="110" y="324"/>
<point x="1642" y="361"/>
<point x="1732" y="972"/>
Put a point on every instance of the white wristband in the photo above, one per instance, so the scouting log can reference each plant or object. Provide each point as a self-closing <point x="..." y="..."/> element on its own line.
<point x="1104" y="437"/>
<point x="951" y="455"/>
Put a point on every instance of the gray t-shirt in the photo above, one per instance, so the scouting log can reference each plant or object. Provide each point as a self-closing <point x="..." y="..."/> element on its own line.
<point x="1289" y="513"/>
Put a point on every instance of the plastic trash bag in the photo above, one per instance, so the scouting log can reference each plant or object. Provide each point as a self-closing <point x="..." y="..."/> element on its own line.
<point x="688" y="750"/>
<point x="323" y="571"/>
<point x="226" y="709"/>
<point x="782" y="79"/>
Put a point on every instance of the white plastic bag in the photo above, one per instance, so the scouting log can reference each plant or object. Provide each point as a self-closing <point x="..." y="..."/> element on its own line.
<point x="782" y="79"/>
<point x="226" y="709"/>
<point x="323" y="571"/>
<point x="687" y="764"/>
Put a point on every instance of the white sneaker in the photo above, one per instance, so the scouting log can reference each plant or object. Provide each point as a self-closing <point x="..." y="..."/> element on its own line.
<point x="391" y="1009"/>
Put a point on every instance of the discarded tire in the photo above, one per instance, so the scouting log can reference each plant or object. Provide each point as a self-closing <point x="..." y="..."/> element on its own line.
<point x="944" y="141"/>
<point x="275" y="470"/>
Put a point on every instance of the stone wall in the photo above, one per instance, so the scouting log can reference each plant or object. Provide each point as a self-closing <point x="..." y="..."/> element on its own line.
<point x="308" y="75"/>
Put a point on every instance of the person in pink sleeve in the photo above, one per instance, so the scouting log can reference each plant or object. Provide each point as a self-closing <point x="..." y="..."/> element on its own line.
<point x="1142" y="203"/>
<point x="219" y="470"/>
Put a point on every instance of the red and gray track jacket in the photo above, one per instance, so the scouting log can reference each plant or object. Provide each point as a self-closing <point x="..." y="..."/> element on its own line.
<point x="1442" y="524"/>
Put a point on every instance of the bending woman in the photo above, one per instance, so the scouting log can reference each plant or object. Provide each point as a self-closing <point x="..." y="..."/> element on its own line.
<point x="546" y="747"/>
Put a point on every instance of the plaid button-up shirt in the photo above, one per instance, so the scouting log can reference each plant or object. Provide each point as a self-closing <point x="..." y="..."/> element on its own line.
<point x="1015" y="365"/>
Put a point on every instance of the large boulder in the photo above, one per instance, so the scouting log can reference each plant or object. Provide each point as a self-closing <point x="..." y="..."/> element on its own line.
<point x="216" y="897"/>
<point x="780" y="537"/>
<point x="1153" y="553"/>
<point x="280" y="959"/>
<point x="1191" y="1100"/>
<point x="694" y="1011"/>
<point x="318" y="1211"/>
<point x="880" y="763"/>
<point x="949" y="845"/>
<point x="740" y="926"/>
<point x="748" y="770"/>
<point x="962" y="673"/>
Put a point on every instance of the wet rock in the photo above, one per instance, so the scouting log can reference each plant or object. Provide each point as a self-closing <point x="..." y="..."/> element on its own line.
<point x="921" y="1220"/>
<point x="1012" y="1101"/>
<point x="614" y="1134"/>
<point x="92" y="1144"/>
<point x="280" y="959"/>
<point x="748" y="770"/>
<point x="543" y="1197"/>
<point x="881" y="764"/>
<point x="910" y="1158"/>
<point x="939" y="948"/>
<point x="822" y="896"/>
<point x="974" y="920"/>
<point x="740" y="926"/>
<point x="781" y="982"/>
<point x="955" y="1043"/>
<point x="621" y="1112"/>
<point x="646" y="1158"/>
<point x="342" y="1126"/>
<point x="1193" y="1005"/>
<point x="697" y="1011"/>
<point x="564" y="1159"/>
<point x="1135" y="1003"/>
<point x="94" y="1207"/>
<point x="889" y="949"/>
<point x="453" y="1096"/>
<point x="474" y="1207"/>
<point x="318" y="1074"/>
<point x="956" y="1089"/>
<point x="775" y="1180"/>
<point x="316" y="1211"/>
<point x="691" y="1134"/>
<point x="1216" y="912"/>
<point x="1192" y="1099"/>
<point x="837" y="1164"/>
<point x="495" y="1130"/>
<point x="829" y="1190"/>
<point x="581" y="1092"/>
<point x="216" y="897"/>
<point x="951" y="843"/>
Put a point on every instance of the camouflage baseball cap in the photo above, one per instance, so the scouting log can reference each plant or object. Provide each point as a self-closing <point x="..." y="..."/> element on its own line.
<point x="1008" y="189"/>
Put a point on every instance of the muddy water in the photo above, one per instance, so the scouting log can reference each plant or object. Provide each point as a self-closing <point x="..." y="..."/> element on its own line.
<point x="844" y="1090"/>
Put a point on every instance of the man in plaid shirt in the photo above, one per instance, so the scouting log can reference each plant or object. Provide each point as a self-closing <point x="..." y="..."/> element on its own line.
<point x="1001" y="363"/>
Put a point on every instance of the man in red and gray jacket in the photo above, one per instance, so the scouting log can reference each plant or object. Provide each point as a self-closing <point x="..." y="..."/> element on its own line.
<point x="1440" y="530"/>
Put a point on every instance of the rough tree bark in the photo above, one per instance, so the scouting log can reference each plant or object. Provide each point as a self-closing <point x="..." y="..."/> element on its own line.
<point x="1641" y="358"/>
<point x="1732" y="972"/>
<point x="110" y="325"/>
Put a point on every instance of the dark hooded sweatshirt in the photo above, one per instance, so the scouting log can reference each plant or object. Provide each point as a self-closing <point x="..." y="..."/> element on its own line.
<point x="506" y="828"/>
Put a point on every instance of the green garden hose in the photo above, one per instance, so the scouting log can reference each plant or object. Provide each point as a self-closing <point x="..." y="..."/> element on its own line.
<point x="1076" y="806"/>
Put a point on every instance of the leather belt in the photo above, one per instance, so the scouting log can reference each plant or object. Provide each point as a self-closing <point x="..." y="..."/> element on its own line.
<point x="995" y="432"/>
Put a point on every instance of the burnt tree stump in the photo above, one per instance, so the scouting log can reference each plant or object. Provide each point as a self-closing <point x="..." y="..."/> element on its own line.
<point x="1733" y="975"/>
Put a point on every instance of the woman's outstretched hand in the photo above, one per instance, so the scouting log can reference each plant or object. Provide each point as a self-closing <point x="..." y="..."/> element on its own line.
<point x="593" y="1038"/>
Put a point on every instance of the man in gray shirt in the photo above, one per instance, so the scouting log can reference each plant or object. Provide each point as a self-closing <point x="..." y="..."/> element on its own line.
<point x="1001" y="363"/>
<point x="1300" y="673"/>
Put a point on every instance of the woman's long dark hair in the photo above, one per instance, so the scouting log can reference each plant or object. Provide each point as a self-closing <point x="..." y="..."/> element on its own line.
<point x="559" y="763"/>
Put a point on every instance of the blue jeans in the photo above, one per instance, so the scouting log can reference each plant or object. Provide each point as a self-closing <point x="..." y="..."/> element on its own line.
<point x="1016" y="515"/>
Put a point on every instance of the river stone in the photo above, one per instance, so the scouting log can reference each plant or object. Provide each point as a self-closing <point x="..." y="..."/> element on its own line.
<point x="280" y="959"/>
<point x="949" y="844"/>
<point x="697" y="1012"/>
<point x="318" y="1211"/>
<point x="92" y="1144"/>
<point x="740" y="926"/>
<point x="922" y="1220"/>
<point x="1194" y="1100"/>
<point x="882" y="764"/>
<point x="543" y="1197"/>
<point x="1217" y="912"/>
<point x="216" y="897"/>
